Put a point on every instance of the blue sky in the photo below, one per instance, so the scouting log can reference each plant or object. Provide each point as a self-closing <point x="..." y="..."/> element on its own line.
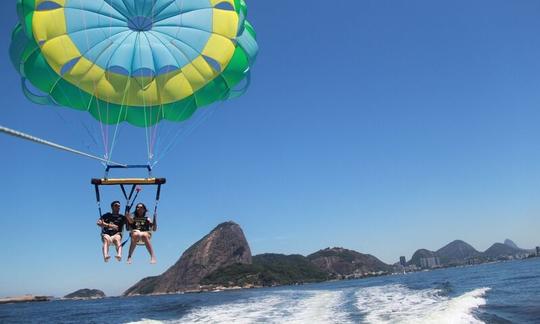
<point x="380" y="126"/>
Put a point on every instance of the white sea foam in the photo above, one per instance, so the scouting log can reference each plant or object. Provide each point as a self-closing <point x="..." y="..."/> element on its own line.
<point x="281" y="307"/>
<point x="318" y="307"/>
<point x="145" y="321"/>
<point x="246" y="311"/>
<point x="399" y="304"/>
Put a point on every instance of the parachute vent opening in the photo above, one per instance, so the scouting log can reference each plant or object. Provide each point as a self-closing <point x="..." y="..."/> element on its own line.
<point x="224" y="6"/>
<point x="48" y="5"/>
<point x="33" y="90"/>
<point x="140" y="23"/>
<point x="166" y="69"/>
<point x="213" y="63"/>
<point x="118" y="70"/>
<point x="144" y="73"/>
<point x="69" y="65"/>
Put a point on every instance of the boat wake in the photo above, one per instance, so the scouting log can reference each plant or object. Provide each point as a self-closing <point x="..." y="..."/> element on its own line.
<point x="399" y="304"/>
<point x="381" y="304"/>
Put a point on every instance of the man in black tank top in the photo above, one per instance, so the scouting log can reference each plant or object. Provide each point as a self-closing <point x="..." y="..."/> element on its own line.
<point x="112" y="225"/>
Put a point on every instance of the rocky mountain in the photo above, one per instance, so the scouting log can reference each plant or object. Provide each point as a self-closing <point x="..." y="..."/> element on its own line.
<point x="223" y="258"/>
<point x="419" y="255"/>
<point x="459" y="252"/>
<point x="340" y="262"/>
<point x="267" y="270"/>
<point x="510" y="243"/>
<point x="225" y="245"/>
<point x="456" y="252"/>
<point x="498" y="250"/>
<point x="86" y="294"/>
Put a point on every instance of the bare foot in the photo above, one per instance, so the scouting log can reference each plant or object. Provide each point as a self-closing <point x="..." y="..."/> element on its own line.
<point x="118" y="258"/>
<point x="153" y="260"/>
<point x="129" y="260"/>
<point x="106" y="258"/>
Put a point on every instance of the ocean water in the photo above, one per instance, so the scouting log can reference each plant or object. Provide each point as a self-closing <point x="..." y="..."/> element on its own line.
<point x="506" y="292"/>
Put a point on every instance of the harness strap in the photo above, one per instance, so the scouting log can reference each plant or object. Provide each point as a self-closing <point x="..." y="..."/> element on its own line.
<point x="98" y="199"/>
<point x="154" y="219"/>
<point x="124" y="191"/>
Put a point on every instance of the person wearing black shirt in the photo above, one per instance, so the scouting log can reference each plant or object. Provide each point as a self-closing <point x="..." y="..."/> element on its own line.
<point x="140" y="225"/>
<point x="112" y="225"/>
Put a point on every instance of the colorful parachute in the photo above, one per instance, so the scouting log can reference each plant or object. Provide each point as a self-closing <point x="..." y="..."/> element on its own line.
<point x="138" y="61"/>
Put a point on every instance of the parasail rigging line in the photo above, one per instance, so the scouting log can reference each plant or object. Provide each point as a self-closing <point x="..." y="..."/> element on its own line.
<point x="38" y="140"/>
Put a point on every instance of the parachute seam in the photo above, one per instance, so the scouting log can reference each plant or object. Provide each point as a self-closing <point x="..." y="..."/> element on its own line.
<point x="98" y="13"/>
<point x="192" y="28"/>
<point x="182" y="13"/>
<point x="116" y="9"/>
<point x="165" y="7"/>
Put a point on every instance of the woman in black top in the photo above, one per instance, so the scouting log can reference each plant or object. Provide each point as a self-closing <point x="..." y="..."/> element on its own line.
<point x="140" y="225"/>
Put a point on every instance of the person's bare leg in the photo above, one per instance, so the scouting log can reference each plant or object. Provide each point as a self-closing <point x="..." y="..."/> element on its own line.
<point x="106" y="242"/>
<point x="148" y="245"/>
<point x="132" y="245"/>
<point x="118" y="244"/>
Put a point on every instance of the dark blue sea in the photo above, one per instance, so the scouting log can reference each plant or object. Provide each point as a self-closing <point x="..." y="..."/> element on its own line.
<point x="506" y="292"/>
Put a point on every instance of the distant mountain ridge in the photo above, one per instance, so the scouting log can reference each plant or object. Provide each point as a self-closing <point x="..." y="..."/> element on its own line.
<point x="340" y="262"/>
<point x="500" y="249"/>
<point x="456" y="251"/>
<point x="510" y="243"/>
<point x="222" y="259"/>
<point x="459" y="252"/>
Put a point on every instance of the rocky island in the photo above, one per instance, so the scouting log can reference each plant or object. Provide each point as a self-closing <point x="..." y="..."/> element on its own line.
<point x="85" y="294"/>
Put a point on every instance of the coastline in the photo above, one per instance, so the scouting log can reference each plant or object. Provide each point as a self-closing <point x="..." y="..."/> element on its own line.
<point x="25" y="299"/>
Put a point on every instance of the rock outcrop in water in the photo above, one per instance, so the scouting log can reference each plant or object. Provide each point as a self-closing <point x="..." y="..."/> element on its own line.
<point x="343" y="263"/>
<point x="223" y="246"/>
<point x="86" y="294"/>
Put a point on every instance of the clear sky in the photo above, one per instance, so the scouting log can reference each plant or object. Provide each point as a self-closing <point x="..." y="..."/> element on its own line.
<point x="380" y="126"/>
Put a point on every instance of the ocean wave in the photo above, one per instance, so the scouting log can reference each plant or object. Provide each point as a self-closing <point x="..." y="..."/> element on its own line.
<point x="399" y="304"/>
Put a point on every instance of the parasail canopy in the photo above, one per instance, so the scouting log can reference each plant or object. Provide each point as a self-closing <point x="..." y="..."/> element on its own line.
<point x="139" y="61"/>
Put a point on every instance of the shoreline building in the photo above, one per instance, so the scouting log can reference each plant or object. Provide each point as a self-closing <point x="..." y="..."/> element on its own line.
<point x="402" y="261"/>
<point x="430" y="262"/>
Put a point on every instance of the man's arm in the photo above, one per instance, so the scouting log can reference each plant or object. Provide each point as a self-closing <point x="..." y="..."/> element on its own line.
<point x="103" y="224"/>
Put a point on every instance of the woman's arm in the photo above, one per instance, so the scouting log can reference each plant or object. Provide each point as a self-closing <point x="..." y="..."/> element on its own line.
<point x="129" y="219"/>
